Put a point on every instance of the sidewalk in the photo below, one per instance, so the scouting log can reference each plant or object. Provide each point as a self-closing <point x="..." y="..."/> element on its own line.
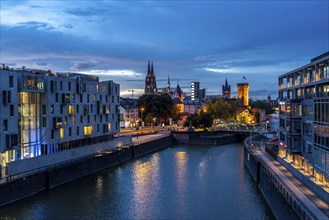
<point x="306" y="197"/>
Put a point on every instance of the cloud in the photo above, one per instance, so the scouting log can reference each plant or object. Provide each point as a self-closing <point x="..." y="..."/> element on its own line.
<point x="36" y="25"/>
<point x="41" y="64"/>
<point x="87" y="12"/>
<point x="112" y="72"/>
<point x="80" y="65"/>
<point x="218" y="70"/>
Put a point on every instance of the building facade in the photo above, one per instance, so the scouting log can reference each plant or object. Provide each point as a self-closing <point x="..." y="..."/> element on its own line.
<point x="243" y="93"/>
<point x="226" y="90"/>
<point x="42" y="112"/>
<point x="150" y="81"/>
<point x="195" y="87"/>
<point x="304" y="117"/>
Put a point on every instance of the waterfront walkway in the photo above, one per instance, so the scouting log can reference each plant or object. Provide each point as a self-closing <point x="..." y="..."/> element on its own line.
<point x="304" y="196"/>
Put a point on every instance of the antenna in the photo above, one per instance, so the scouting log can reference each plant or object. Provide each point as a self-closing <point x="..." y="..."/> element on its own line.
<point x="132" y="93"/>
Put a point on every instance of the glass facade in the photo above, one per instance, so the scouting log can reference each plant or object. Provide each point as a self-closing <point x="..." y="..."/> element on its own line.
<point x="32" y="135"/>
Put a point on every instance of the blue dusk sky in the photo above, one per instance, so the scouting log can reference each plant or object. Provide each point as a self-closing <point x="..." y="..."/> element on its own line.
<point x="205" y="41"/>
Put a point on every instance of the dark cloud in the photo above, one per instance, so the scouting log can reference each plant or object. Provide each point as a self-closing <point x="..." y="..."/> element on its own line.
<point x="83" y="66"/>
<point x="87" y="12"/>
<point x="36" y="25"/>
<point x="41" y="64"/>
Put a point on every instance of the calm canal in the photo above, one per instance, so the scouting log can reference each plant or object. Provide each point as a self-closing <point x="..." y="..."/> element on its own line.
<point x="181" y="182"/>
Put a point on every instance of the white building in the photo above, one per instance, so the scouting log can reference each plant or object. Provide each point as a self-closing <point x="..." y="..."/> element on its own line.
<point x="42" y="112"/>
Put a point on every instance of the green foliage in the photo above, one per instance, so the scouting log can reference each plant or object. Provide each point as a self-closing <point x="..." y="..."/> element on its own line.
<point x="200" y="120"/>
<point x="160" y="107"/>
<point x="263" y="105"/>
<point x="222" y="108"/>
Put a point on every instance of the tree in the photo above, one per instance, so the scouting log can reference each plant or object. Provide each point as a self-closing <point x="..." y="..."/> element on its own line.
<point x="245" y="117"/>
<point x="160" y="107"/>
<point x="263" y="105"/>
<point x="221" y="108"/>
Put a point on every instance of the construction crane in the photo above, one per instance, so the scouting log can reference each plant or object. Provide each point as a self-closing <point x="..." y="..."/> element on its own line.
<point x="132" y="93"/>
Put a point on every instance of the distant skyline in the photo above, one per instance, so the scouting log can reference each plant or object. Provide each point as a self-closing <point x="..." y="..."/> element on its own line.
<point x="205" y="41"/>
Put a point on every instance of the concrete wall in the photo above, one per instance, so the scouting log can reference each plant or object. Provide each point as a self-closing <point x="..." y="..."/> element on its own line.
<point x="282" y="203"/>
<point x="35" y="163"/>
<point x="53" y="176"/>
<point x="207" y="138"/>
<point x="149" y="147"/>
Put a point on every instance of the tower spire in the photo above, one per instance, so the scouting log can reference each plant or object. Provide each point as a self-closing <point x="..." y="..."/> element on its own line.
<point x="148" y="68"/>
<point x="152" y="70"/>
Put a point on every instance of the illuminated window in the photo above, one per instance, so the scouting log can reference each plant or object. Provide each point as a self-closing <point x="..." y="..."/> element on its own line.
<point x="88" y="130"/>
<point x="61" y="133"/>
<point x="109" y="126"/>
<point x="70" y="109"/>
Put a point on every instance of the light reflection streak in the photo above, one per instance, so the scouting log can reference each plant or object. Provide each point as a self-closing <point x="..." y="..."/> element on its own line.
<point x="146" y="177"/>
<point x="181" y="160"/>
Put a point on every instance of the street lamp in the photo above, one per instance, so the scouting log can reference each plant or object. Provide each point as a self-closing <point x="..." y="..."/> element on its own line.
<point x="142" y="110"/>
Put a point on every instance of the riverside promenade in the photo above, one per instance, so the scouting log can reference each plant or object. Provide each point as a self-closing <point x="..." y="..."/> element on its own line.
<point x="304" y="201"/>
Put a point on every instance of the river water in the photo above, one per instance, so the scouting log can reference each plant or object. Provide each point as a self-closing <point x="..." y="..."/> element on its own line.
<point x="180" y="182"/>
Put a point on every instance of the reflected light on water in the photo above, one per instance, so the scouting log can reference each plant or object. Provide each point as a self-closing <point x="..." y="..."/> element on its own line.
<point x="181" y="160"/>
<point x="99" y="186"/>
<point x="146" y="177"/>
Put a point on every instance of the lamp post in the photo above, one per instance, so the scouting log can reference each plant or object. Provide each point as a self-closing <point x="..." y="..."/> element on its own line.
<point x="142" y="110"/>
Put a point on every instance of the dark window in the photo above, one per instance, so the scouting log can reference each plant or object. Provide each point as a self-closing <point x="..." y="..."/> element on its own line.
<point x="52" y="109"/>
<point x="70" y="132"/>
<point x="11" y="81"/>
<point x="44" y="109"/>
<point x="69" y="86"/>
<point x="11" y="110"/>
<point x="61" y="85"/>
<point x="5" y="125"/>
<point x="52" y="134"/>
<point x="56" y="97"/>
<point x="44" y="122"/>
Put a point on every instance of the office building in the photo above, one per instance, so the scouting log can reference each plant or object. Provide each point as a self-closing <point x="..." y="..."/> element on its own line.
<point x="304" y="117"/>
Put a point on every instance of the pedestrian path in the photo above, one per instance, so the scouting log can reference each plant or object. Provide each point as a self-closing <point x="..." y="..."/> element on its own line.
<point x="307" y="198"/>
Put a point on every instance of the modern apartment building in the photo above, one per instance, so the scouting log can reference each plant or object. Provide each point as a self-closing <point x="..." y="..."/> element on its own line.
<point x="43" y="112"/>
<point x="304" y="117"/>
<point x="195" y="86"/>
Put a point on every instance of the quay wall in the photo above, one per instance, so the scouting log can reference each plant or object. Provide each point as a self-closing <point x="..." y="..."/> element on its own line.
<point x="281" y="201"/>
<point x="35" y="163"/>
<point x="18" y="187"/>
<point x="207" y="138"/>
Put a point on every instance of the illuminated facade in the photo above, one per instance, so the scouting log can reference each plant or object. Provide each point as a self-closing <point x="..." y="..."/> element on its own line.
<point x="304" y="117"/>
<point x="42" y="112"/>
<point x="243" y="93"/>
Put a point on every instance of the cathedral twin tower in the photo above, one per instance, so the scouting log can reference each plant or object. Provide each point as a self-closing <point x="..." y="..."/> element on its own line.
<point x="150" y="82"/>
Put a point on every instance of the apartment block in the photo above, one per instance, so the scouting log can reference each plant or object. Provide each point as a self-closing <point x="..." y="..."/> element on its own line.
<point x="43" y="112"/>
<point x="304" y="117"/>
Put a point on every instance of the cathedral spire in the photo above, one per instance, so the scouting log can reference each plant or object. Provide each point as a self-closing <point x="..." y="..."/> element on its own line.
<point x="152" y="70"/>
<point x="148" y="68"/>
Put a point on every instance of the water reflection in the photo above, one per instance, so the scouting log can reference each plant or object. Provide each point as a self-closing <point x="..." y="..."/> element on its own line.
<point x="145" y="185"/>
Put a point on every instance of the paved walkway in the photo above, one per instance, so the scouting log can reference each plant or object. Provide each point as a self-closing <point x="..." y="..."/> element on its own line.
<point x="307" y="198"/>
<point x="150" y="137"/>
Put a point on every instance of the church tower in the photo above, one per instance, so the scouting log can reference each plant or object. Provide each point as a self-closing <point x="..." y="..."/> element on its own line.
<point x="226" y="90"/>
<point x="150" y="81"/>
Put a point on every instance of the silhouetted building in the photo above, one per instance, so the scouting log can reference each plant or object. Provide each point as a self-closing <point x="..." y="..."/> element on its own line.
<point x="202" y="95"/>
<point x="243" y="93"/>
<point x="150" y="81"/>
<point x="178" y="98"/>
<point x="226" y="90"/>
